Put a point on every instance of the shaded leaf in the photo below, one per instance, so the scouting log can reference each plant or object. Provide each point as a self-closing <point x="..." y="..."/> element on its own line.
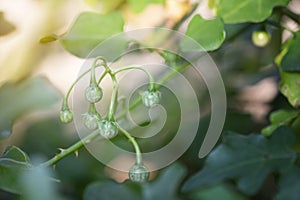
<point x="248" y="159"/>
<point x="12" y="162"/>
<point x="140" y="5"/>
<point x="17" y="99"/>
<point x="291" y="59"/>
<point x="210" y="34"/>
<point x="89" y="30"/>
<point x="289" y="185"/>
<point x="237" y="11"/>
<point x="280" y="118"/>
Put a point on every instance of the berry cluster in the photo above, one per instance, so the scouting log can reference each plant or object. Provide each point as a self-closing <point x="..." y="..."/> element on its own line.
<point x="107" y="126"/>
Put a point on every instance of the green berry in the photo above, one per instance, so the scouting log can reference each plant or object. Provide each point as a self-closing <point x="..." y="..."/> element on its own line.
<point x="151" y="98"/>
<point x="90" y="121"/>
<point x="66" y="115"/>
<point x="107" y="129"/>
<point x="260" y="38"/>
<point x="93" y="93"/>
<point x="139" y="173"/>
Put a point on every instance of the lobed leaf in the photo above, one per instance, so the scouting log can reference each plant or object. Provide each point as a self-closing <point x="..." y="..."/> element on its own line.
<point x="247" y="159"/>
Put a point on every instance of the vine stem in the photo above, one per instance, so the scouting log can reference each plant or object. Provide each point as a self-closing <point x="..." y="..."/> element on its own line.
<point x="151" y="79"/>
<point x="113" y="100"/>
<point x="65" y="152"/>
<point x="291" y="15"/>
<point x="134" y="143"/>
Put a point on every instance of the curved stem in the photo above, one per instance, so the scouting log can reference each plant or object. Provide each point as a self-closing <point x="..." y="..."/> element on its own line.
<point x="134" y="143"/>
<point x="151" y="79"/>
<point x="113" y="100"/>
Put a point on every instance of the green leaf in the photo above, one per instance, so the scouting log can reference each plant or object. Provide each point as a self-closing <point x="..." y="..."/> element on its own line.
<point x="160" y="188"/>
<point x="105" y="5"/>
<point x="17" y="99"/>
<point x="237" y="11"/>
<point x="247" y="159"/>
<point x="139" y="5"/>
<point x="36" y="184"/>
<point x="289" y="84"/>
<point x="289" y="185"/>
<point x="49" y="38"/>
<point x="89" y="30"/>
<point x="210" y="34"/>
<point x="280" y="118"/>
<point x="12" y="162"/>
<point x="290" y="60"/>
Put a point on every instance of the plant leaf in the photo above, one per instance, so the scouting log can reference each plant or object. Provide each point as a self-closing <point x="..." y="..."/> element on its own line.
<point x="17" y="99"/>
<point x="139" y="5"/>
<point x="290" y="60"/>
<point x="12" y="163"/>
<point x="89" y="30"/>
<point x="248" y="159"/>
<point x="280" y="118"/>
<point x="210" y="34"/>
<point x="289" y="185"/>
<point x="289" y="84"/>
<point x="237" y="11"/>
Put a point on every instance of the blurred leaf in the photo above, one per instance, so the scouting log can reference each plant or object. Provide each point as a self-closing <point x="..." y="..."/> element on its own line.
<point x="139" y="5"/>
<point x="35" y="184"/>
<point x="160" y="188"/>
<point x="49" y="38"/>
<point x="248" y="159"/>
<point x="290" y="60"/>
<point x="217" y="192"/>
<point x="17" y="99"/>
<point x="5" y="26"/>
<point x="12" y="162"/>
<point x="280" y="118"/>
<point x="289" y="84"/>
<point x="109" y="189"/>
<point x="289" y="185"/>
<point x="105" y="5"/>
<point x="210" y="34"/>
<point x="89" y="30"/>
<point x="237" y="11"/>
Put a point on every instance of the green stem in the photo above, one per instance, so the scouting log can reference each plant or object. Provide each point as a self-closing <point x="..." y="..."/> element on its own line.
<point x="151" y="79"/>
<point x="71" y="149"/>
<point x="94" y="134"/>
<point x="134" y="143"/>
<point x="113" y="100"/>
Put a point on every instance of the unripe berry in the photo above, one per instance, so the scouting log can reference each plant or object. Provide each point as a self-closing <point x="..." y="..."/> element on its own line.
<point x="107" y="129"/>
<point x="91" y="121"/>
<point x="139" y="173"/>
<point x="151" y="98"/>
<point x="66" y="115"/>
<point x="93" y="93"/>
<point x="260" y="38"/>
